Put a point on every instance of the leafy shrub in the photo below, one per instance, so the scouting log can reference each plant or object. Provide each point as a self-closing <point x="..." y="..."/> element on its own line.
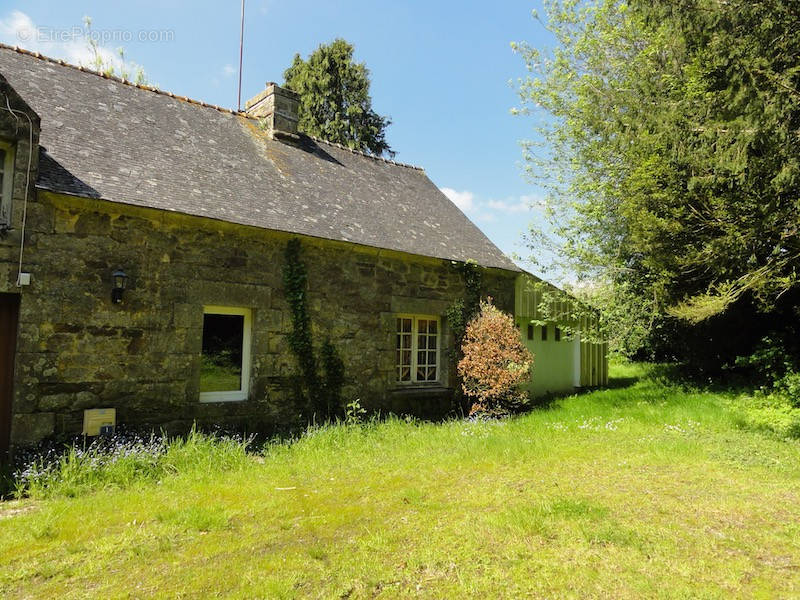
<point x="775" y="405"/>
<point x="770" y="412"/>
<point x="770" y="360"/>
<point x="788" y="387"/>
<point x="495" y="362"/>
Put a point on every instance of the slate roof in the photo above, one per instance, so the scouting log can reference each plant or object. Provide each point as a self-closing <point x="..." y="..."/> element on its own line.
<point x="105" y="138"/>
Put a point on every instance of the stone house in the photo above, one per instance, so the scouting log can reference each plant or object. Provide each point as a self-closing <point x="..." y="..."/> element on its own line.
<point x="190" y="207"/>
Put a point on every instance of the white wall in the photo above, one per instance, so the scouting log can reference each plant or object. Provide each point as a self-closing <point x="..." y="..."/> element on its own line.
<point x="554" y="366"/>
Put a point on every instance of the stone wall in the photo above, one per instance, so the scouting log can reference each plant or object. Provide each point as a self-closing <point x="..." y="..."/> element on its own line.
<point x="16" y="129"/>
<point x="78" y="350"/>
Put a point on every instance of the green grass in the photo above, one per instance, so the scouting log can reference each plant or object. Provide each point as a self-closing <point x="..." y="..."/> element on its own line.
<point x="221" y="376"/>
<point x="648" y="489"/>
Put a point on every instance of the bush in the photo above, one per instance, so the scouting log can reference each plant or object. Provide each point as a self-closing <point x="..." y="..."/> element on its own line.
<point x="495" y="363"/>
<point x="771" y="412"/>
<point x="770" y="360"/>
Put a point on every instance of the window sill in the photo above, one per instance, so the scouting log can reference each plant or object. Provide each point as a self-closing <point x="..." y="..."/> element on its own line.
<point x="433" y="387"/>
<point x="209" y="397"/>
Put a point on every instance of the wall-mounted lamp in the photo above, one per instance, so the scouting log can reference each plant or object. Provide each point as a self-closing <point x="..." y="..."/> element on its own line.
<point x="120" y="281"/>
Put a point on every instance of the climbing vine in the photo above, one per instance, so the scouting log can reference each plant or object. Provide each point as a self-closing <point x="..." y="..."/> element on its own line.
<point x="332" y="379"/>
<point x="321" y="394"/>
<point x="460" y="313"/>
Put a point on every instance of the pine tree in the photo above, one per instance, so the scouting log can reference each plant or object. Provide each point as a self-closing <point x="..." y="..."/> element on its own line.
<point x="335" y="103"/>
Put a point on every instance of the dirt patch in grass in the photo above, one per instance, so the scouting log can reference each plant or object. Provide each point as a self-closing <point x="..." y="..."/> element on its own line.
<point x="14" y="508"/>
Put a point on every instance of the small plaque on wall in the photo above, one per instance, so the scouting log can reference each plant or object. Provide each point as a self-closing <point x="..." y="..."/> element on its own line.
<point x="99" y="420"/>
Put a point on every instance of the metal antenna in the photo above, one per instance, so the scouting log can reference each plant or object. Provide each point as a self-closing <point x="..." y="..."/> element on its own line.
<point x="241" y="47"/>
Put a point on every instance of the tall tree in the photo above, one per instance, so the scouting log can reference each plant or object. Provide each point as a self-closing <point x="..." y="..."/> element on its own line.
<point x="334" y="99"/>
<point x="673" y="128"/>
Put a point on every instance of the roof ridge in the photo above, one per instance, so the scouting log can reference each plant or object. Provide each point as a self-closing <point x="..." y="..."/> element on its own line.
<point x="155" y="90"/>
<point x="366" y="154"/>
<point x="147" y="88"/>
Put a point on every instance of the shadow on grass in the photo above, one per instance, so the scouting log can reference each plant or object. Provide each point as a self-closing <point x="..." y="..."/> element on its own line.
<point x="615" y="383"/>
<point x="724" y="381"/>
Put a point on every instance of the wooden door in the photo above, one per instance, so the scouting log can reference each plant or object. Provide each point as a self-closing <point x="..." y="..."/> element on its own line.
<point x="9" y="318"/>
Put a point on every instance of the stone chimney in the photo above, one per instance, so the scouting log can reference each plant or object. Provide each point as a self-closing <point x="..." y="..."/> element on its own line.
<point x="278" y="107"/>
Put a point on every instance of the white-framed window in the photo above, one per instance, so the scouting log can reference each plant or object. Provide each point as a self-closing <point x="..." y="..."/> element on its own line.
<point x="417" y="345"/>
<point x="6" y="181"/>
<point x="225" y="360"/>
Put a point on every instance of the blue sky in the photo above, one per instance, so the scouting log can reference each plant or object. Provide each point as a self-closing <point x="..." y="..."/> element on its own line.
<point x="441" y="70"/>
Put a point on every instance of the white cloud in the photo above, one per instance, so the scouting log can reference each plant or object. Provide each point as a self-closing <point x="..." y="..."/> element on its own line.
<point x="508" y="207"/>
<point x="16" y="28"/>
<point x="464" y="200"/>
<point x="512" y="209"/>
<point x="228" y="70"/>
<point x="522" y="204"/>
<point x="69" y="44"/>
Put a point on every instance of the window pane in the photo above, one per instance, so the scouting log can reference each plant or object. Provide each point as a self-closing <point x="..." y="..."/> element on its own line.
<point x="416" y="335"/>
<point x="221" y="367"/>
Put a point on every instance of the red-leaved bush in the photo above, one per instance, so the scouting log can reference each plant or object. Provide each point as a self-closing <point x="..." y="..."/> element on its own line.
<point x="495" y="362"/>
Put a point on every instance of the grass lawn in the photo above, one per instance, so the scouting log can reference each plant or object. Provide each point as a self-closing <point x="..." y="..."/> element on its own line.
<point x="647" y="489"/>
<point x="219" y="378"/>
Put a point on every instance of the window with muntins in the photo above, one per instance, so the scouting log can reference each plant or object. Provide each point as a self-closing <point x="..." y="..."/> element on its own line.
<point x="417" y="349"/>
<point x="225" y="360"/>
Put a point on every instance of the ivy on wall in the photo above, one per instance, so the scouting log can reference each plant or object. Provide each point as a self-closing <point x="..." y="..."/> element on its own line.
<point x="332" y="379"/>
<point x="320" y="393"/>
<point x="460" y="313"/>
